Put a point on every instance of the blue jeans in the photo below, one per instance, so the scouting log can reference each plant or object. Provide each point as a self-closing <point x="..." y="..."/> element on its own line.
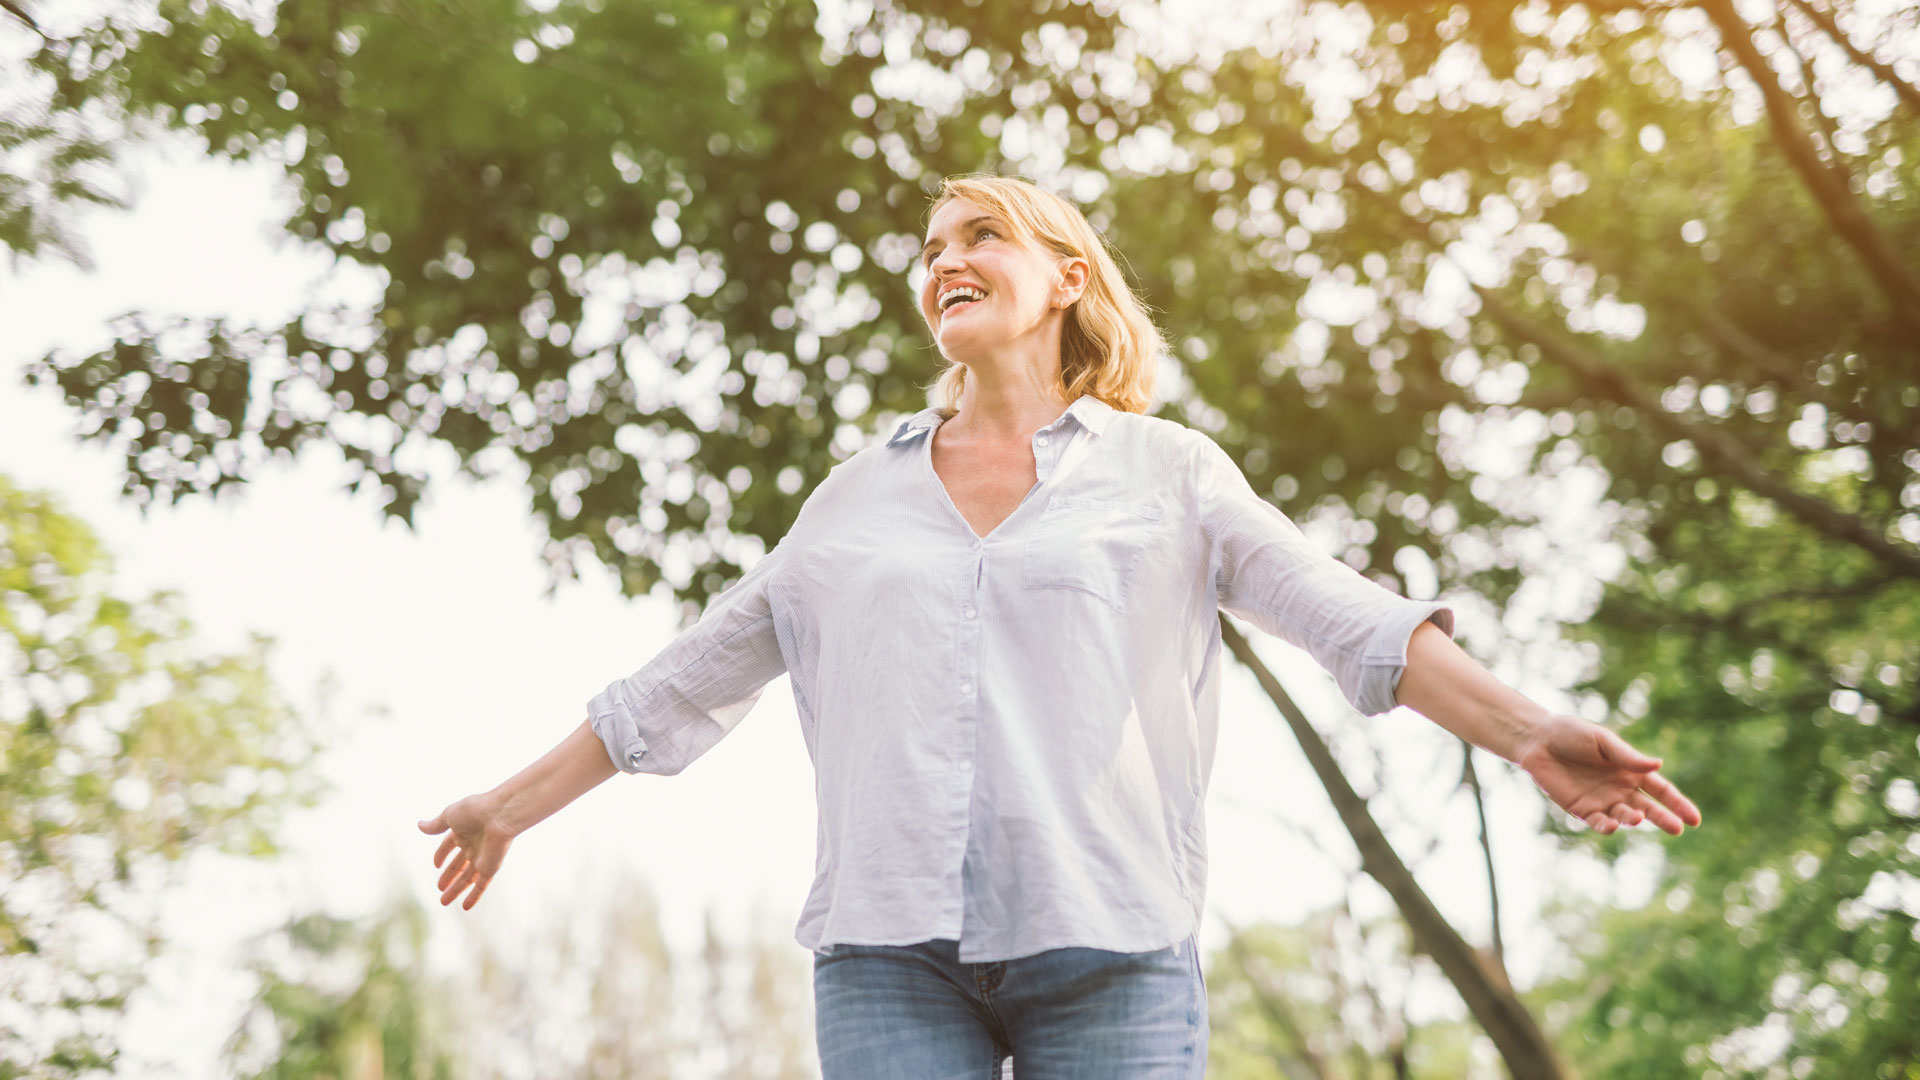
<point x="884" y="1012"/>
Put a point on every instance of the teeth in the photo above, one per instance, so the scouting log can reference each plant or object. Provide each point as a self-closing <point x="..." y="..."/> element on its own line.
<point x="964" y="292"/>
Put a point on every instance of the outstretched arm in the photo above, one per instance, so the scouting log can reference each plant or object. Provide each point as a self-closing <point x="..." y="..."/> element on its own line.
<point x="1587" y="770"/>
<point x="482" y="826"/>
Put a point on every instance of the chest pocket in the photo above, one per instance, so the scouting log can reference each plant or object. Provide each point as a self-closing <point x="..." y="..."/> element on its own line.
<point x="1090" y="545"/>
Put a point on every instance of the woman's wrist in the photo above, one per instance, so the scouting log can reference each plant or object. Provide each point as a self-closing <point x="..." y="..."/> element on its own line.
<point x="506" y="810"/>
<point x="1521" y="725"/>
<point x="577" y="765"/>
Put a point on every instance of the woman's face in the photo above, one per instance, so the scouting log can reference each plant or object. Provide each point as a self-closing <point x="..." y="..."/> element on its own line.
<point x="1014" y="287"/>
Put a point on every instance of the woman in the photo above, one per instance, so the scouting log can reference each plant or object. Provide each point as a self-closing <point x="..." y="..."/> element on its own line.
<point x="1002" y="630"/>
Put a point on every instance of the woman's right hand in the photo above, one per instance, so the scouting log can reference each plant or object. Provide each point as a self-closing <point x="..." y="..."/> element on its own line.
<point x="477" y="838"/>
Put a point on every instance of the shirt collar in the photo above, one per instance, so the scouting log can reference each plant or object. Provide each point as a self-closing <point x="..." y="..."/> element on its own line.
<point x="1090" y="411"/>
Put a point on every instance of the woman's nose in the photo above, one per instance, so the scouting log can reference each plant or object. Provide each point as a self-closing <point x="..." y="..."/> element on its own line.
<point x="945" y="260"/>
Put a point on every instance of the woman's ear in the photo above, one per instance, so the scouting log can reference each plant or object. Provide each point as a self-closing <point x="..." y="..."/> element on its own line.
<point x="1071" y="282"/>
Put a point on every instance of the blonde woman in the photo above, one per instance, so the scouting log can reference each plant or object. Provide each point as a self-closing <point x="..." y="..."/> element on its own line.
<point x="1001" y="625"/>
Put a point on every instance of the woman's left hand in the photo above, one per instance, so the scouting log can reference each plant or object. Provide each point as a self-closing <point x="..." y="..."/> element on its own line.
<point x="1594" y="775"/>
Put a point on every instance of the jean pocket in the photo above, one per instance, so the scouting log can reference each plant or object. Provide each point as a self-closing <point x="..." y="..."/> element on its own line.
<point x="1088" y="545"/>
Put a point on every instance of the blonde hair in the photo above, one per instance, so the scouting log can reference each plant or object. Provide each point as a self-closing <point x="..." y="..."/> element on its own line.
<point x="1109" y="345"/>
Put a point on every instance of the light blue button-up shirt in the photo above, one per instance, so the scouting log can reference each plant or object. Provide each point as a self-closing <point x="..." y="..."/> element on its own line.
<point x="1012" y="735"/>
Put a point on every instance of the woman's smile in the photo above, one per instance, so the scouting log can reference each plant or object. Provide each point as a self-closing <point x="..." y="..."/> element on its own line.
<point x="957" y="307"/>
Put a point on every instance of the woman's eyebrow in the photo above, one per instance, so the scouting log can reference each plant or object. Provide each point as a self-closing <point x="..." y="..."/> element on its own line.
<point x="964" y="227"/>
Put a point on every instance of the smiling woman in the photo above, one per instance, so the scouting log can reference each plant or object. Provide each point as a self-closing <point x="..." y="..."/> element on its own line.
<point x="1002" y="627"/>
<point x="1108" y="345"/>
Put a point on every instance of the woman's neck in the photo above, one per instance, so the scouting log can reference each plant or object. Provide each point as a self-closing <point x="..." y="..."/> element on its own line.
<point x="1006" y="409"/>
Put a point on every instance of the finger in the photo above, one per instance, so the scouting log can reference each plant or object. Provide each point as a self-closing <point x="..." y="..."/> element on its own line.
<point x="1625" y="814"/>
<point x="446" y="846"/>
<point x="435" y="824"/>
<point x="1662" y="789"/>
<point x="479" y="886"/>
<point x="1622" y="753"/>
<point x="454" y="869"/>
<point x="452" y="892"/>
<point x="1663" y="818"/>
<point x="1600" y="823"/>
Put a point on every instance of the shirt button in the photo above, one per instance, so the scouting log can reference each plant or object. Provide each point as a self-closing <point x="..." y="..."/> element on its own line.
<point x="966" y="688"/>
<point x="968" y="611"/>
<point x="1042" y="440"/>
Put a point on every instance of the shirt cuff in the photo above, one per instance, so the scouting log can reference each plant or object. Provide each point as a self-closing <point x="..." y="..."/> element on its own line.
<point x="614" y="724"/>
<point x="1386" y="657"/>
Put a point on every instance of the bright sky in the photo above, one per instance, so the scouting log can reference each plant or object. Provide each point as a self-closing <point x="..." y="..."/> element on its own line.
<point x="454" y="671"/>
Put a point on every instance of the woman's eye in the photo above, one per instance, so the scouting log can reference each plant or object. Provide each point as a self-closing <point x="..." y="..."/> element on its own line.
<point x="984" y="230"/>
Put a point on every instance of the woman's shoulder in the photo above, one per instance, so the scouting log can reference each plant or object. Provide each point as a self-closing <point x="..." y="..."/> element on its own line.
<point x="1166" y="440"/>
<point x="1157" y="427"/>
<point x="851" y="477"/>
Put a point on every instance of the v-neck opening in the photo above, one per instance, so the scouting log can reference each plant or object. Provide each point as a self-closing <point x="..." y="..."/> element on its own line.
<point x="946" y="496"/>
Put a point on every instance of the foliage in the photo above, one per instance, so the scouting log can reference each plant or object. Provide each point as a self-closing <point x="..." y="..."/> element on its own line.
<point x="500" y="170"/>
<point x="1330" y="998"/>
<point x="125" y="746"/>
<point x="1658" y="250"/>
<point x="50" y="166"/>
<point x="346" y="998"/>
<point x="593" y="997"/>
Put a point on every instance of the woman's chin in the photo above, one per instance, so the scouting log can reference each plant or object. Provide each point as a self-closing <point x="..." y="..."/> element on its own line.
<point x="953" y="347"/>
<point x="957" y="343"/>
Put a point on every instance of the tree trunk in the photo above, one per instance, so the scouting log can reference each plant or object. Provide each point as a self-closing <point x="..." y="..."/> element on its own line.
<point x="1515" y="1033"/>
<point x="1828" y="187"/>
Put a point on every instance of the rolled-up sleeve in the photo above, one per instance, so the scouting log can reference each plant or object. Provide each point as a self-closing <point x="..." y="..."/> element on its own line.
<point x="700" y="686"/>
<point x="1267" y="572"/>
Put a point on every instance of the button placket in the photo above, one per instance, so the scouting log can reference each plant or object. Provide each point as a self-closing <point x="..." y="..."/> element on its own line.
<point x="966" y="717"/>
<point x="970" y="626"/>
<point x="1043" y="457"/>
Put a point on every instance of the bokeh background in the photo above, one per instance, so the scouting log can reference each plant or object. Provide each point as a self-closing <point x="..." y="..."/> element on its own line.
<point x="381" y="378"/>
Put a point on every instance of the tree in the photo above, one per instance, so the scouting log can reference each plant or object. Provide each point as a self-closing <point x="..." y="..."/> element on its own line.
<point x="345" y="998"/>
<point x="595" y="998"/>
<point x="1328" y="999"/>
<point x="125" y="746"/>
<point x="495" y="166"/>
<point x="1665" y="287"/>
<point x="1658" y="247"/>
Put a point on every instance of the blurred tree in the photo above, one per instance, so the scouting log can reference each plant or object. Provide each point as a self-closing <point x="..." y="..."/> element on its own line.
<point x="632" y="998"/>
<point x="345" y="999"/>
<point x="51" y="165"/>
<point x="1328" y="999"/>
<point x="1659" y="252"/>
<point x="646" y="256"/>
<point x="760" y="1002"/>
<point x="124" y="748"/>
<point x="591" y="998"/>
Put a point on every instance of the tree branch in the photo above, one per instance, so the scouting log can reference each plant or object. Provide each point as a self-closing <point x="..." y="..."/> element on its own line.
<point x="18" y="12"/>
<point x="1634" y="612"/>
<point x="1829" y="131"/>
<point x="1722" y="450"/>
<point x="1888" y="431"/>
<point x="1827" y="185"/>
<point x="1730" y="336"/>
<point x="1472" y="780"/>
<point x="1514" y="1031"/>
<point x="1884" y="72"/>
